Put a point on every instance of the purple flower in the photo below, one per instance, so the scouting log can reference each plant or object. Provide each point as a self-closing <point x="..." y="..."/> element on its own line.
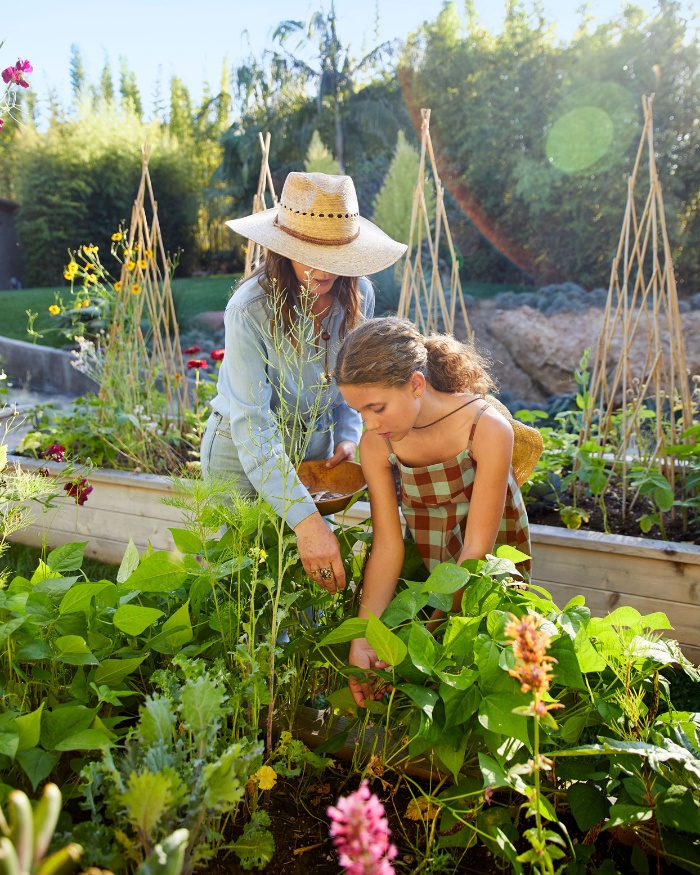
<point x="360" y="833"/>
<point x="1" y="123"/>
<point x="15" y="75"/>
<point x="56" y="452"/>
<point x="79" y="489"/>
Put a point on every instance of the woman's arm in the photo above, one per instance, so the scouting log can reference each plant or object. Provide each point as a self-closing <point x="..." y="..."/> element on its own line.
<point x="385" y="559"/>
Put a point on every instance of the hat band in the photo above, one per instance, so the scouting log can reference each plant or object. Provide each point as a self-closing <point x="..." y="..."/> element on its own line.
<point x="319" y="240"/>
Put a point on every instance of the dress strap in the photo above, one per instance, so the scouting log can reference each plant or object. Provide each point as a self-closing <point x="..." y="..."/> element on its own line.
<point x="485" y="406"/>
<point x="392" y="454"/>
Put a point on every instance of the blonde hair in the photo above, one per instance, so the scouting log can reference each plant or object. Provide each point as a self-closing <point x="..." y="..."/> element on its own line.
<point x="388" y="351"/>
<point x="283" y="289"/>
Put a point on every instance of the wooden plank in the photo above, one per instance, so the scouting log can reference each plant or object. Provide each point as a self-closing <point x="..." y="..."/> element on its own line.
<point x="646" y="548"/>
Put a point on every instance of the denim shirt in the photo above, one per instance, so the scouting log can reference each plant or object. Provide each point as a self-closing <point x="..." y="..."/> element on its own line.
<point x="256" y="379"/>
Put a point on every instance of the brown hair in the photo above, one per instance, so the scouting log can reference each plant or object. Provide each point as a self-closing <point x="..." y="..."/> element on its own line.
<point x="283" y="289"/>
<point x="387" y="351"/>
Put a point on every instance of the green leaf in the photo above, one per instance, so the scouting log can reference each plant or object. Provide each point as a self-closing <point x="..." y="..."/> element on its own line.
<point x="342" y="700"/>
<point x="34" y="651"/>
<point x="185" y="541"/>
<point x="29" y="728"/>
<point x="175" y="632"/>
<point x="43" y="572"/>
<point x="460" y="704"/>
<point x="388" y="646"/>
<point x="79" y="597"/>
<point x="405" y="605"/>
<point x="55" y="587"/>
<point x="347" y="631"/>
<point x="147" y="798"/>
<point x="9" y="742"/>
<point x="487" y="657"/>
<point x="129" y="563"/>
<point x="39" y="609"/>
<point x="677" y="808"/>
<point x="159" y="572"/>
<point x="422" y="648"/>
<point x="156" y="720"/>
<point x="446" y="578"/>
<point x="86" y="739"/>
<point x="589" y="660"/>
<point x="69" y="557"/>
<point x="225" y="779"/>
<point x="505" y="551"/>
<point x="493" y="774"/>
<point x="255" y="849"/>
<point x="135" y="619"/>
<point x="566" y="670"/>
<point x="496" y="715"/>
<point x="424" y="697"/>
<point x="459" y="635"/>
<point x="622" y="814"/>
<point x="202" y="705"/>
<point x="73" y="650"/>
<point x="37" y="764"/>
<point x="113" y="671"/>
<point x="589" y="805"/>
<point x="64" y="721"/>
<point x="451" y="749"/>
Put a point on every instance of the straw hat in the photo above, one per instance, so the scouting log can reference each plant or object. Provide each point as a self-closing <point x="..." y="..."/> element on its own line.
<point x="527" y="445"/>
<point x="317" y="222"/>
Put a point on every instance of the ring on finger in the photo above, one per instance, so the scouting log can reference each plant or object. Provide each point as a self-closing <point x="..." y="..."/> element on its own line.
<point x="325" y="573"/>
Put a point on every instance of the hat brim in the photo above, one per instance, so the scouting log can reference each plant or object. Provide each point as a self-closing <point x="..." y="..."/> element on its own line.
<point x="371" y="251"/>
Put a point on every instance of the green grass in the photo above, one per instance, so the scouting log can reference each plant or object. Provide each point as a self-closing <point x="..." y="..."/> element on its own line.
<point x="191" y="296"/>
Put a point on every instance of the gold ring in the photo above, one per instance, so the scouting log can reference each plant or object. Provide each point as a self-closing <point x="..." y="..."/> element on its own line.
<point x="325" y="573"/>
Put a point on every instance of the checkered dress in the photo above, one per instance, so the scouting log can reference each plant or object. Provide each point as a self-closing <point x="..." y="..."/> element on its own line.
<point x="435" y="502"/>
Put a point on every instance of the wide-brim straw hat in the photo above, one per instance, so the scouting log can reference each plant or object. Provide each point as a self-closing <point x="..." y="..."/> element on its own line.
<point x="527" y="443"/>
<point x="317" y="222"/>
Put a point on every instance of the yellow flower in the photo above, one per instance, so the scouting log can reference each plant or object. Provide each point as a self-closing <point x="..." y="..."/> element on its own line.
<point x="90" y="250"/>
<point x="136" y="289"/>
<point x="142" y="264"/>
<point x="54" y="309"/>
<point x="148" y="253"/>
<point x="92" y="277"/>
<point x="85" y="303"/>
<point x="131" y="265"/>
<point x="117" y="285"/>
<point x="266" y="777"/>
<point x="117" y="236"/>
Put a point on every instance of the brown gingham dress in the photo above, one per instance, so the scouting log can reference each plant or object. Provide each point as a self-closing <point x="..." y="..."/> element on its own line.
<point x="435" y="502"/>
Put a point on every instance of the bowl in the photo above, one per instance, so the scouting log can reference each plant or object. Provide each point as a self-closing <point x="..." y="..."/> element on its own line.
<point x="342" y="483"/>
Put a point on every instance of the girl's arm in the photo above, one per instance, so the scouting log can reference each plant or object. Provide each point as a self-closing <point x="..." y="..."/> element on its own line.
<point x="385" y="559"/>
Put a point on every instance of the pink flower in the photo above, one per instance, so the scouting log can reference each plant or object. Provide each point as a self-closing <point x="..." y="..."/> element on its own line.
<point x="56" y="452"/>
<point x="216" y="355"/>
<point x="360" y="833"/>
<point x="79" y="489"/>
<point x="196" y="363"/>
<point x="1" y="123"/>
<point x="192" y="350"/>
<point x="15" y="75"/>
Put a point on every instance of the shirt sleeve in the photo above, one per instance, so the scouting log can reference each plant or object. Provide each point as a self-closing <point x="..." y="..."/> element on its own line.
<point x="254" y="427"/>
<point x="347" y="423"/>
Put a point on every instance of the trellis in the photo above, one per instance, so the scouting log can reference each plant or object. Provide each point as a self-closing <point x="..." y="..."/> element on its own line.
<point x="143" y="350"/>
<point x="254" y="251"/>
<point x="642" y="289"/>
<point x="424" y="297"/>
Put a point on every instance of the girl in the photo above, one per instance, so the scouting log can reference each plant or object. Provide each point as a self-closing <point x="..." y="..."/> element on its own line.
<point x="422" y="401"/>
<point x="275" y="400"/>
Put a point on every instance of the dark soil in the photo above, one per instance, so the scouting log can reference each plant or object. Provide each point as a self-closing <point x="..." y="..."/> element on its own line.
<point x="546" y="513"/>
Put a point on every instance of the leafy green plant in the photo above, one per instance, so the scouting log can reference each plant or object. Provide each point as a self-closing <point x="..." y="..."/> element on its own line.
<point x="179" y="767"/>
<point x="27" y="833"/>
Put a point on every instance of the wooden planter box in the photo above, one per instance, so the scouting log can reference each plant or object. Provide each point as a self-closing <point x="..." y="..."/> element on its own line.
<point x="122" y="505"/>
<point x="614" y="570"/>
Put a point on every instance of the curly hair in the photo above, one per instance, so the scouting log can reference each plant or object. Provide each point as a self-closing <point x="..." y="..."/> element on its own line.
<point x="283" y="289"/>
<point x="388" y="351"/>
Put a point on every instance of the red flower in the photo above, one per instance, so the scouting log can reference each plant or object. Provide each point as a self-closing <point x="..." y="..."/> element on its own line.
<point x="196" y="363"/>
<point x="15" y="75"/>
<point x="56" y="452"/>
<point x="192" y="350"/>
<point x="216" y="355"/>
<point x="79" y="490"/>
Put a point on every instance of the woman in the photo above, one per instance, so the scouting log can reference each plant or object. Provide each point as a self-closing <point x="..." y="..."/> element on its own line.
<point x="422" y="401"/>
<point x="276" y="402"/>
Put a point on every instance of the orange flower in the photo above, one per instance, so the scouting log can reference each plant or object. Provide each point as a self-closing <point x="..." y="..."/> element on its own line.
<point x="136" y="289"/>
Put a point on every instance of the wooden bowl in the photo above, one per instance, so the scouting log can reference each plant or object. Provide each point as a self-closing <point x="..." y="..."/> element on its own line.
<point x="344" y="481"/>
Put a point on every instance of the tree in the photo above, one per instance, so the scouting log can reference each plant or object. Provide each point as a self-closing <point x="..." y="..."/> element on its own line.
<point x="318" y="157"/>
<point x="129" y="90"/>
<point x="77" y="73"/>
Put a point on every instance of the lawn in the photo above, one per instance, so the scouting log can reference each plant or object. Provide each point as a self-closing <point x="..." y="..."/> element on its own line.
<point x="192" y="296"/>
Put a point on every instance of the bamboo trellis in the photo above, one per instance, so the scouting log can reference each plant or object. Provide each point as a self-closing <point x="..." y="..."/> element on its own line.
<point x="423" y="296"/>
<point x="144" y="341"/>
<point x="254" y="251"/>
<point x="642" y="288"/>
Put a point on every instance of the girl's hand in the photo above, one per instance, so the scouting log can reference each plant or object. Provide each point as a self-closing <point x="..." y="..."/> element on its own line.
<point x="345" y="450"/>
<point x="363" y="656"/>
<point x="319" y="552"/>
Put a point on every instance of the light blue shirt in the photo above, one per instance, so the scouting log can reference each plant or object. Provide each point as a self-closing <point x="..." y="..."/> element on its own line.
<point x="259" y="379"/>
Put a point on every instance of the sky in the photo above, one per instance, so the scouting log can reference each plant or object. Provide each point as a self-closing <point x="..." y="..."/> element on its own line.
<point x="190" y="39"/>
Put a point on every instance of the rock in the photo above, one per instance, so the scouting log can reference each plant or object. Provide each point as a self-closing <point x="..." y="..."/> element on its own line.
<point x="211" y="319"/>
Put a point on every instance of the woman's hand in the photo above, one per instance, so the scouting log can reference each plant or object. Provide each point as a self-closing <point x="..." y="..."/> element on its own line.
<point x="363" y="656"/>
<point x="345" y="450"/>
<point x="319" y="551"/>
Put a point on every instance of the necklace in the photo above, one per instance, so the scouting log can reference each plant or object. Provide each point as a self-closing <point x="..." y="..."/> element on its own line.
<point x="435" y="421"/>
<point x="325" y="337"/>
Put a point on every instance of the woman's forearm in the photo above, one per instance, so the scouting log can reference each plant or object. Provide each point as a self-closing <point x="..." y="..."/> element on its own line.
<point x="379" y="584"/>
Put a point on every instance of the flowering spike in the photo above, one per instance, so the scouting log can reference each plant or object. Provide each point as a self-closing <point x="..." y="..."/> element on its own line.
<point x="360" y="833"/>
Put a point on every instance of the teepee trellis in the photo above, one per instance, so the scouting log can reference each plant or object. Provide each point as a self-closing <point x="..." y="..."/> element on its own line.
<point x="254" y="252"/>
<point x="642" y="289"/>
<point x="423" y="295"/>
<point x="144" y="342"/>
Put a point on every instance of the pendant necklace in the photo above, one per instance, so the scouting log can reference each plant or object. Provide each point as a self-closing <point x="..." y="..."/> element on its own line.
<point x="325" y="337"/>
<point x="461" y="407"/>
